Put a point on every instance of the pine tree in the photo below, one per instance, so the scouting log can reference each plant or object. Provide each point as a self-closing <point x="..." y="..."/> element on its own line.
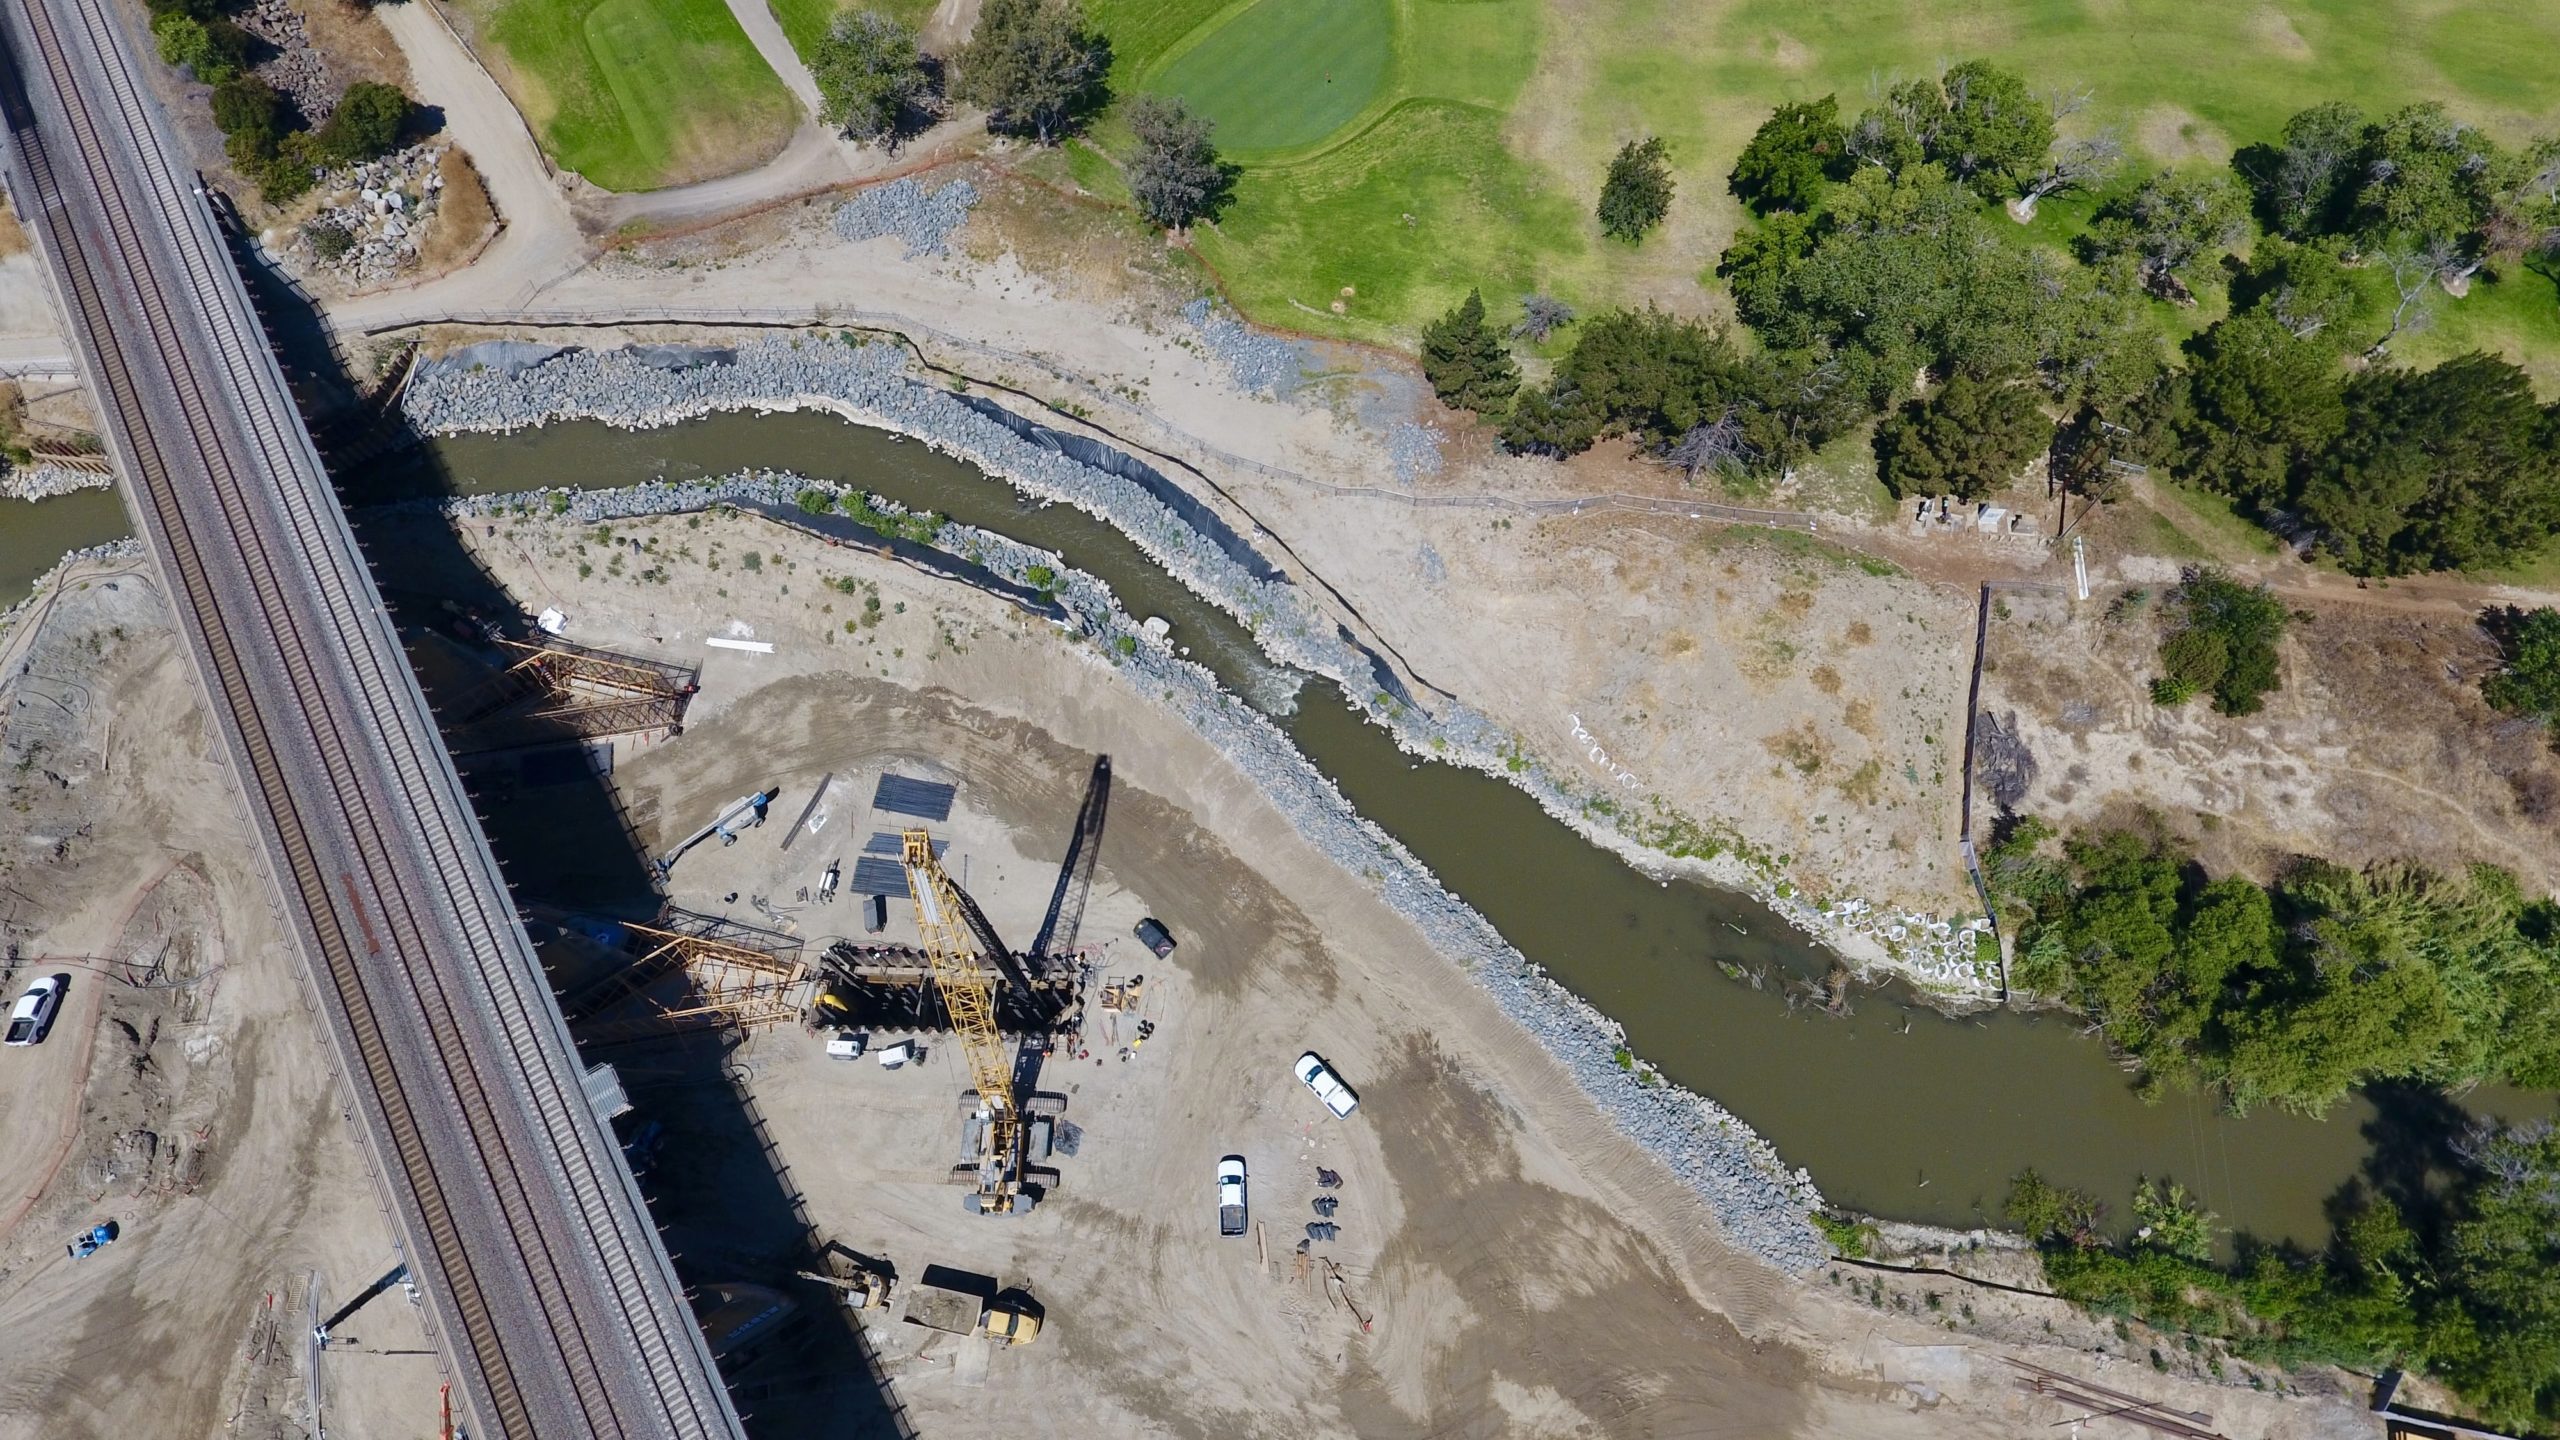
<point x="1034" y="64"/>
<point x="1466" y="362"/>
<point x="1637" y="193"/>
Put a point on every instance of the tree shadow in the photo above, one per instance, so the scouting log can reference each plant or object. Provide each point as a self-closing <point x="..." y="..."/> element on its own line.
<point x="729" y="1211"/>
<point x="2415" y="1132"/>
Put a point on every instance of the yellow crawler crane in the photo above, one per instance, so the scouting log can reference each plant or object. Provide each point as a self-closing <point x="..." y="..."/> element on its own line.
<point x="969" y="993"/>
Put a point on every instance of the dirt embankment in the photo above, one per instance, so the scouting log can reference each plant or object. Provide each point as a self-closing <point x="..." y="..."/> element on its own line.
<point x="182" y="1094"/>
<point x="2376" y="746"/>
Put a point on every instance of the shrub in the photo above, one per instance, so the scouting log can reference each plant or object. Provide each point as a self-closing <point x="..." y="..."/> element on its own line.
<point x="250" y="116"/>
<point x="2529" y="683"/>
<point x="331" y="241"/>
<point x="289" y="173"/>
<point x="212" y="50"/>
<point x="2223" y="641"/>
<point x="1466" y="362"/>
<point x="366" y="124"/>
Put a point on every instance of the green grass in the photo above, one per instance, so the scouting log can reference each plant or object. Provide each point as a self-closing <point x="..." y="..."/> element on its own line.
<point x="638" y="94"/>
<point x="1281" y="75"/>
<point x="804" y="22"/>
<point x="1479" y="160"/>
<point x="2231" y="534"/>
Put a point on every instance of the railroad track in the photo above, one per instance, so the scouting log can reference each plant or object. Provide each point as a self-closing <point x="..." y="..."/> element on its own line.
<point x="550" y="1293"/>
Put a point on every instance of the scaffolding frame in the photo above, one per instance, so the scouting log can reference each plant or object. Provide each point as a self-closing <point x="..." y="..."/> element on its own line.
<point x="735" y="976"/>
<point x="559" y="686"/>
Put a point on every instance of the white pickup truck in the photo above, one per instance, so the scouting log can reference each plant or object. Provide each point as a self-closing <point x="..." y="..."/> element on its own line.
<point x="1231" y="1196"/>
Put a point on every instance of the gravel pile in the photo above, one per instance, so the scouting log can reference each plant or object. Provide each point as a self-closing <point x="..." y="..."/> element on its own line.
<point x="43" y="481"/>
<point x="904" y="208"/>
<point x="297" y="70"/>
<point x="1414" y="450"/>
<point x="1259" y="364"/>
<point x="372" y="219"/>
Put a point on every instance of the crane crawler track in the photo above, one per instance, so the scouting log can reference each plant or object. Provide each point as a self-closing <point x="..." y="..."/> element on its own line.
<point x="549" y="1290"/>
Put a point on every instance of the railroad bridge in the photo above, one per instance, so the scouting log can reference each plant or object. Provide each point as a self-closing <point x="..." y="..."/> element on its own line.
<point x="547" y="1287"/>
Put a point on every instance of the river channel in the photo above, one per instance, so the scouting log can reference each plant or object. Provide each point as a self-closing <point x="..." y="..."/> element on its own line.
<point x="1895" y="1110"/>
<point x="35" y="534"/>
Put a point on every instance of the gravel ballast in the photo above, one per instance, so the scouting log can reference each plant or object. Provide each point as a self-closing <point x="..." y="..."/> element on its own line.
<point x="922" y="219"/>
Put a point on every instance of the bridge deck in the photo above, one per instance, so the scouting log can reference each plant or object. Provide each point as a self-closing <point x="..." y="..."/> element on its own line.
<point x="549" y="1290"/>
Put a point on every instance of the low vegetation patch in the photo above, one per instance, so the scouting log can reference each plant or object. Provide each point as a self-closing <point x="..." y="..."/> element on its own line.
<point x="2290" y="994"/>
<point x="2457" y="1274"/>
<point x="265" y="138"/>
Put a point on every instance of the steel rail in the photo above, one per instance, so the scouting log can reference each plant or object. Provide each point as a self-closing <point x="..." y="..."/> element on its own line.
<point x="333" y="682"/>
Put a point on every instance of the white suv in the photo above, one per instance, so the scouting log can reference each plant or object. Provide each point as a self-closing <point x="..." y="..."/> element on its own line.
<point x="1319" y="1077"/>
<point x="32" y="1018"/>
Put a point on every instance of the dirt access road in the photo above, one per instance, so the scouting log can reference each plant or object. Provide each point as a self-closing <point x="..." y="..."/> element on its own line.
<point x="1526" y="1270"/>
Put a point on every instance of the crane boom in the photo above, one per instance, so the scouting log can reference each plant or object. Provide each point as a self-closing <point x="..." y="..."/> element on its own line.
<point x="968" y="991"/>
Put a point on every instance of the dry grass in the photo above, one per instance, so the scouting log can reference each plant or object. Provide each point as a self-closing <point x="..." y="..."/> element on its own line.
<point x="464" y="220"/>
<point x="2378" y="746"/>
<point x="13" y="236"/>
<point x="358" y="46"/>
<point x="1802" y="747"/>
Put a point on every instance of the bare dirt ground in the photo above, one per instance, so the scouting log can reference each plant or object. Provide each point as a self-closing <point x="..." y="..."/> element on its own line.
<point x="2377" y="746"/>
<point x="1523" y="1269"/>
<point x="183" y="1094"/>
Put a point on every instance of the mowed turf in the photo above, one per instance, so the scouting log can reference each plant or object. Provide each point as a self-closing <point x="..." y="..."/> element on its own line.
<point x="639" y="94"/>
<point x="1282" y="75"/>
<point x="805" y="22"/>
<point x="1482" y="161"/>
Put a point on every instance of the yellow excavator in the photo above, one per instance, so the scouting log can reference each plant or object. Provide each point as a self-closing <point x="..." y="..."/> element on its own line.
<point x="1001" y="1180"/>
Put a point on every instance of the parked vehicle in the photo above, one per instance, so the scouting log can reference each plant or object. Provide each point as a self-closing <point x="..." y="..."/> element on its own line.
<point x="1319" y="1077"/>
<point x="1231" y="1195"/>
<point x="94" y="1239"/>
<point x="1152" y="934"/>
<point x="31" y="1019"/>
